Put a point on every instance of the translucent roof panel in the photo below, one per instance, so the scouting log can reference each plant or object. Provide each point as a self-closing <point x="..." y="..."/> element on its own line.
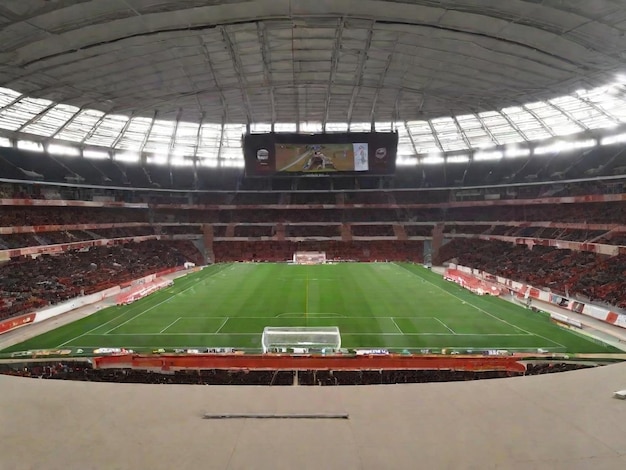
<point x="311" y="127"/>
<point x="209" y="141"/>
<point x="135" y="134"/>
<point x="448" y="134"/>
<point x="261" y="127"/>
<point x="79" y="128"/>
<point x="608" y="99"/>
<point x="52" y="121"/>
<point x="285" y="127"/>
<point x="405" y="145"/>
<point x="588" y="115"/>
<point x="231" y="142"/>
<point x="107" y="131"/>
<point x="336" y="127"/>
<point x="554" y="119"/>
<point x="160" y="138"/>
<point x="500" y="128"/>
<point x="423" y="137"/>
<point x="474" y="131"/>
<point x="360" y="126"/>
<point x="525" y="122"/>
<point x="8" y="96"/>
<point x="15" y="116"/>
<point x="185" y="139"/>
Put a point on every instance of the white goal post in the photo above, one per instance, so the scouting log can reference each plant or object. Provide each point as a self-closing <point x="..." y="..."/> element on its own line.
<point x="309" y="257"/>
<point x="300" y="339"/>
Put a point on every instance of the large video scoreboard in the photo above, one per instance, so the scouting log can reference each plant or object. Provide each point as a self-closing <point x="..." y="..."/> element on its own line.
<point x="288" y="154"/>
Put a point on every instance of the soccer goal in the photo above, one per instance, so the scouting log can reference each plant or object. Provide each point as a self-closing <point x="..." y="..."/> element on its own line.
<point x="309" y="257"/>
<point x="301" y="339"/>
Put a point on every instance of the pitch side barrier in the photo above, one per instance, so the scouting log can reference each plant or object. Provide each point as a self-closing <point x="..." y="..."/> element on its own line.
<point x="310" y="362"/>
<point x="139" y="287"/>
<point x="526" y="292"/>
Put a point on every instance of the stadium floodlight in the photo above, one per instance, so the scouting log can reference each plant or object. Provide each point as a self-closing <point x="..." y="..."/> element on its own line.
<point x="557" y="147"/>
<point x="484" y="156"/>
<point x="126" y="157"/>
<point x="96" y="154"/>
<point x="613" y="139"/>
<point x="5" y="142"/>
<point x="30" y="146"/>
<point x="301" y="339"/>
<point x="432" y="160"/>
<point x="458" y="159"/>
<point x="63" y="150"/>
<point x="514" y="152"/>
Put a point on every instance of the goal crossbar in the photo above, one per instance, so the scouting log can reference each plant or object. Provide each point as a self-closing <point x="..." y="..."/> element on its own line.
<point x="301" y="337"/>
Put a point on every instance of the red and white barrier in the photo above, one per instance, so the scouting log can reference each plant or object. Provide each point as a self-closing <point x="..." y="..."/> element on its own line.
<point x="526" y="291"/>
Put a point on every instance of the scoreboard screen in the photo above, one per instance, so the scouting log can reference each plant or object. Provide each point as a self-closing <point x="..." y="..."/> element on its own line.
<point x="358" y="153"/>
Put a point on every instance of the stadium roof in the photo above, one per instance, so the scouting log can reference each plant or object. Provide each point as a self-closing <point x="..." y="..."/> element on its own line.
<point x="185" y="77"/>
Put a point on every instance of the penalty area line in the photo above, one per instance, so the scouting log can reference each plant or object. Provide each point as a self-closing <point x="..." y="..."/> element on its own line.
<point x="171" y="324"/>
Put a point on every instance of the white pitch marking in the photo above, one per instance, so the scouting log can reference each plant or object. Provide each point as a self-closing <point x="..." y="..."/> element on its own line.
<point x="396" y="325"/>
<point x="221" y="326"/>
<point x="342" y="334"/>
<point x="484" y="311"/>
<point x="446" y="326"/>
<point x="121" y="315"/>
<point x="171" y="324"/>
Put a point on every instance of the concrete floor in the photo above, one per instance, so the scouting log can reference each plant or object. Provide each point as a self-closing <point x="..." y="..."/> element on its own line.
<point x="560" y="421"/>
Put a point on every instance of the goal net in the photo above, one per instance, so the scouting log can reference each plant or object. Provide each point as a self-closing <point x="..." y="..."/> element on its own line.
<point x="301" y="339"/>
<point x="309" y="257"/>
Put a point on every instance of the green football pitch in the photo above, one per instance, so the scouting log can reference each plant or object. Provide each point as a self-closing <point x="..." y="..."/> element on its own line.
<point x="374" y="305"/>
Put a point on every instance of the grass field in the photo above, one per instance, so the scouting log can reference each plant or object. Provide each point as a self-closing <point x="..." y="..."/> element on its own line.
<point x="375" y="305"/>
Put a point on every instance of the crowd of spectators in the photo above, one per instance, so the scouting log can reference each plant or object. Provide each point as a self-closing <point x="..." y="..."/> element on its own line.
<point x="278" y="251"/>
<point x="577" y="274"/>
<point x="27" y="284"/>
<point x="83" y="371"/>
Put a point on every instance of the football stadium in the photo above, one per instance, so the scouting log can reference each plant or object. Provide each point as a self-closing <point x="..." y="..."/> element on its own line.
<point x="320" y="234"/>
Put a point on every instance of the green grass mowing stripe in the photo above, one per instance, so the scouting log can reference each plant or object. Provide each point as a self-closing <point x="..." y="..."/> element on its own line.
<point x="91" y="323"/>
<point x="485" y="311"/>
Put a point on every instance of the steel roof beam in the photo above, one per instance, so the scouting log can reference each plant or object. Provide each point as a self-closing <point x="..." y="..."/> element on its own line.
<point x="544" y="125"/>
<point x="198" y="134"/>
<point x="8" y="105"/>
<point x="484" y="127"/>
<point x="461" y="133"/>
<point x="36" y="117"/>
<point x="218" y="86"/>
<point x="435" y="136"/>
<point x="148" y="132"/>
<point x="173" y="138"/>
<point x="64" y="126"/>
<point x="120" y="136"/>
<point x="511" y="123"/>
<point x="267" y="68"/>
<point x="360" y="71"/>
<point x="333" y="69"/>
<point x="234" y="57"/>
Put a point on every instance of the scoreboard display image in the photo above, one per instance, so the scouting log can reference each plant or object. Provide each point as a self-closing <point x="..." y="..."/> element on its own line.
<point x="321" y="158"/>
<point x="359" y="153"/>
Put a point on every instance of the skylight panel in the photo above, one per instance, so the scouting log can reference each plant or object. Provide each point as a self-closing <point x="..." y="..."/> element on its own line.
<point x="82" y="124"/>
<point x="405" y="145"/>
<point x="311" y="127"/>
<point x="558" y="122"/>
<point x="7" y="96"/>
<point x="186" y="138"/>
<point x="15" y="116"/>
<point x="260" y="127"/>
<point x="285" y="127"/>
<point x="384" y="126"/>
<point x="474" y="131"/>
<point x="160" y="137"/>
<point x="360" y="126"/>
<point x="448" y="134"/>
<point x="423" y="137"/>
<point x="107" y="131"/>
<point x="209" y="141"/>
<point x="526" y="123"/>
<point x="501" y="129"/>
<point x="135" y="134"/>
<point x="51" y="121"/>
<point x="336" y="127"/>
<point x="583" y="112"/>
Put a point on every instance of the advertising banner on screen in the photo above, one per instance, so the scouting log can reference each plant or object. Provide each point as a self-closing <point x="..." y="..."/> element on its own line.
<point x="359" y="153"/>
